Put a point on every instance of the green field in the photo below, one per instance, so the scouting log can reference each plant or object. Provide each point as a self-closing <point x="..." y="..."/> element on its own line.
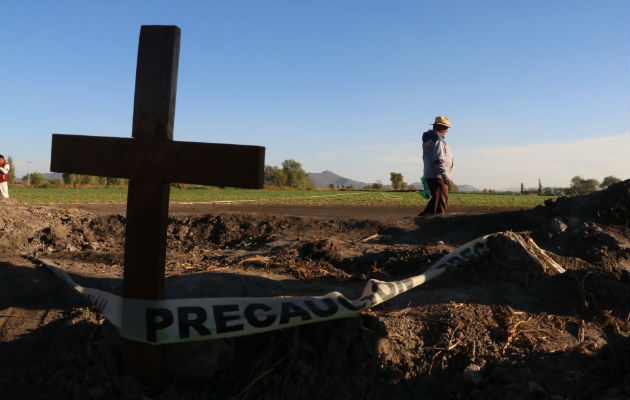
<point x="313" y="197"/>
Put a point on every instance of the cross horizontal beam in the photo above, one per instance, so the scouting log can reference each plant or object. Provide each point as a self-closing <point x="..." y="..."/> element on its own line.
<point x="159" y="160"/>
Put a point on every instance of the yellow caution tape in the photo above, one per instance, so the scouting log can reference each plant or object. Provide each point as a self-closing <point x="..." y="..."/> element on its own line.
<point x="187" y="320"/>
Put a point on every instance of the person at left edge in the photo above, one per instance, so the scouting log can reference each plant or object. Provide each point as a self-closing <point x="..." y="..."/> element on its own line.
<point x="4" y="177"/>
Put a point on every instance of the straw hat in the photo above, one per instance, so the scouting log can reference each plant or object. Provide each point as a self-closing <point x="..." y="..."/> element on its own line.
<point x="442" y="121"/>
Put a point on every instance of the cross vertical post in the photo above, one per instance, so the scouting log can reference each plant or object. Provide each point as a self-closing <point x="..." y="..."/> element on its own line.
<point x="147" y="202"/>
<point x="151" y="160"/>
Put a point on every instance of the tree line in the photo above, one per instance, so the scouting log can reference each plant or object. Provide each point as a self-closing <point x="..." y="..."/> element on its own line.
<point x="37" y="179"/>
<point x="577" y="186"/>
<point x="291" y="175"/>
<point x="398" y="183"/>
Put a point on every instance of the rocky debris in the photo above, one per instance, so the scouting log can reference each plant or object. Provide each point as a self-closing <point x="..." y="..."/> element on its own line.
<point x="472" y="374"/>
<point x="323" y="249"/>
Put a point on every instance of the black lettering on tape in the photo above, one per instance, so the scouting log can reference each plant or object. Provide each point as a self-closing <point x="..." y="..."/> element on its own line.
<point x="368" y="301"/>
<point x="391" y="289"/>
<point x="348" y="305"/>
<point x="152" y="324"/>
<point x="252" y="319"/>
<point x="332" y="307"/>
<point x="399" y="286"/>
<point x="408" y="283"/>
<point x="467" y="254"/>
<point x="292" y="310"/>
<point x="221" y="319"/>
<point x="444" y="265"/>
<point x="185" y="322"/>
<point x="456" y="260"/>
<point x="479" y="248"/>
<point x="374" y="287"/>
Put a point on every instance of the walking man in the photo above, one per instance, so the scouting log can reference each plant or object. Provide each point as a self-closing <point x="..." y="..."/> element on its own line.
<point x="4" y="177"/>
<point x="438" y="165"/>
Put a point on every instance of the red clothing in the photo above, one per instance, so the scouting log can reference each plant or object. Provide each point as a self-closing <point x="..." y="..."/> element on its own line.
<point x="3" y="177"/>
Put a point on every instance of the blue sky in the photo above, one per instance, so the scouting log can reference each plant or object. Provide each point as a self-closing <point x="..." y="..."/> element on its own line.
<point x="534" y="89"/>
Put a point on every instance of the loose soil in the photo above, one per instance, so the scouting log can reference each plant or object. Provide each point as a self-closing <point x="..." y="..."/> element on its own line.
<point x="499" y="327"/>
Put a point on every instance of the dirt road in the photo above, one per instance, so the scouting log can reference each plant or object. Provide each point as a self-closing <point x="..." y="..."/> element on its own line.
<point x="351" y="212"/>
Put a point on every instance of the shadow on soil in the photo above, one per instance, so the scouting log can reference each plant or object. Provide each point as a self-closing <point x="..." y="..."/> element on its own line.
<point x="78" y="353"/>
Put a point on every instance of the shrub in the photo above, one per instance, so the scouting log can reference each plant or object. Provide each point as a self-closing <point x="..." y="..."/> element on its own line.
<point x="34" y="179"/>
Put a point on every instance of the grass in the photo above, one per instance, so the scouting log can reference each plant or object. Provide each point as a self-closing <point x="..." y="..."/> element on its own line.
<point x="299" y="197"/>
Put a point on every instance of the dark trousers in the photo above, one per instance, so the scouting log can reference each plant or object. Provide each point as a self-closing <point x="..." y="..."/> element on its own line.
<point x="439" y="197"/>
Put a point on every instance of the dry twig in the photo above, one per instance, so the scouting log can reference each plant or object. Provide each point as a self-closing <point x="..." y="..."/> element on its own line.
<point x="374" y="236"/>
<point x="450" y="347"/>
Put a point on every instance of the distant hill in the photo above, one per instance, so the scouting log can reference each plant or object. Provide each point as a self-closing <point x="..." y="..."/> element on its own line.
<point x="53" y="175"/>
<point x="325" y="178"/>
<point x="467" y="188"/>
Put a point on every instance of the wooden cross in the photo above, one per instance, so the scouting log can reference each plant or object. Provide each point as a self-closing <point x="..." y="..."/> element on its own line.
<point x="152" y="160"/>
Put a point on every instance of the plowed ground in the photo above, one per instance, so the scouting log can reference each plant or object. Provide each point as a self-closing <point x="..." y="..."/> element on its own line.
<point x="498" y="327"/>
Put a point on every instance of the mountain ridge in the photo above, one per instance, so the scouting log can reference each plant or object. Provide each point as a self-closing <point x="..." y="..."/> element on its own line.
<point x="325" y="178"/>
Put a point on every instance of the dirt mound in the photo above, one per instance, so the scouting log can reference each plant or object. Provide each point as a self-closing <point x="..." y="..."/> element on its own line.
<point x="545" y="314"/>
<point x="610" y="206"/>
